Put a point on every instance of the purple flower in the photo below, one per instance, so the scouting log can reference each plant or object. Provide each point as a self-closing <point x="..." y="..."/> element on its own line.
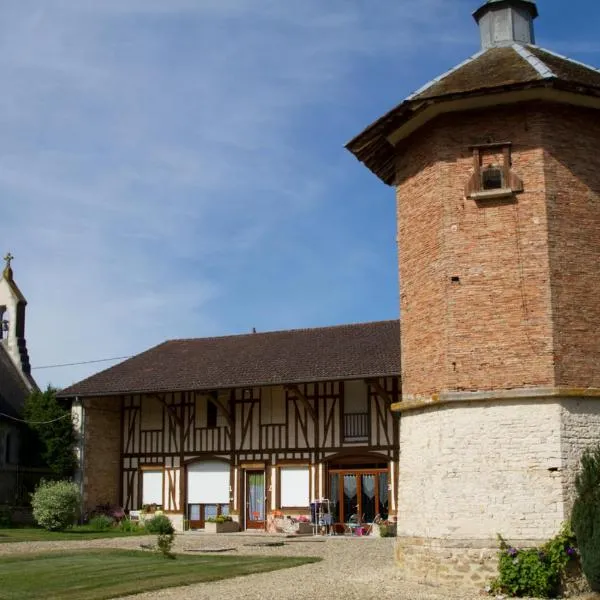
<point x="570" y="551"/>
<point x="511" y="551"/>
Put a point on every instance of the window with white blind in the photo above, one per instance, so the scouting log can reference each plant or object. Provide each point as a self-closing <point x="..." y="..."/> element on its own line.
<point x="294" y="486"/>
<point x="152" y="487"/>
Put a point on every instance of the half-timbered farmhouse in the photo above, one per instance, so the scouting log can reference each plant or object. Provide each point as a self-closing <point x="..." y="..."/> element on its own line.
<point x="247" y="425"/>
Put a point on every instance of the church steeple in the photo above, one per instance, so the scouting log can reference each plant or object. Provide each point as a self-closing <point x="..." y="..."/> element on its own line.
<point x="506" y="22"/>
<point x="12" y="318"/>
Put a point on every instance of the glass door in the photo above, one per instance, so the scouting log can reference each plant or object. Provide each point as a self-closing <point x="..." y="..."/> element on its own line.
<point x="358" y="495"/>
<point x="255" y="499"/>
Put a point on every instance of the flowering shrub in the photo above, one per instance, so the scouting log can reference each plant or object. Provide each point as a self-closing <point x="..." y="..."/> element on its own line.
<point x="55" y="504"/>
<point x="534" y="571"/>
<point x="114" y="512"/>
<point x="219" y="519"/>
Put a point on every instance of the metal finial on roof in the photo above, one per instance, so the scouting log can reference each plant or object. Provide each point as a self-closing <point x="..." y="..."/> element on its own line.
<point x="506" y="22"/>
<point x="7" y="273"/>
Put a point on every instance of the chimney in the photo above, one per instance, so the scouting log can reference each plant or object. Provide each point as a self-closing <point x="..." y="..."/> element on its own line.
<point x="506" y="22"/>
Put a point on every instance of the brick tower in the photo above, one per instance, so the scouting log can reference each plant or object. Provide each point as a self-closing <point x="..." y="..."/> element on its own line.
<point x="497" y="176"/>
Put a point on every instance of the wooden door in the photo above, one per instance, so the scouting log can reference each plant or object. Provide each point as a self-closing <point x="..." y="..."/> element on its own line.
<point x="255" y="499"/>
<point x="360" y="494"/>
<point x="196" y="516"/>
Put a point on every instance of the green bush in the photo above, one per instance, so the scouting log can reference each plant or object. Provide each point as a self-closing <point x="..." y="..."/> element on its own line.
<point x="388" y="530"/>
<point x="586" y="515"/>
<point x="160" y="524"/>
<point x="101" y="523"/>
<point x="164" y="544"/>
<point x="129" y="526"/>
<point x="534" y="572"/>
<point x="56" y="504"/>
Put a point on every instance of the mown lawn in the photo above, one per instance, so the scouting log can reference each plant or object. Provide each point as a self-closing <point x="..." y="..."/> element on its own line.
<point x="83" y="532"/>
<point x="103" y="574"/>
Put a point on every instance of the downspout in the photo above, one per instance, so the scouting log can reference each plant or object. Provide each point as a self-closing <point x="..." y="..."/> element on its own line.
<point x="78" y="417"/>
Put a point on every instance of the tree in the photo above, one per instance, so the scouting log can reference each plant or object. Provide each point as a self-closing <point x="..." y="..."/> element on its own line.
<point x="586" y="515"/>
<point x="51" y="433"/>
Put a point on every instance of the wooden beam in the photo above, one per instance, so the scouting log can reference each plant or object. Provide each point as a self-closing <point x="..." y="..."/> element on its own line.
<point x="214" y="397"/>
<point x="380" y="390"/>
<point x="303" y="399"/>
<point x="169" y="408"/>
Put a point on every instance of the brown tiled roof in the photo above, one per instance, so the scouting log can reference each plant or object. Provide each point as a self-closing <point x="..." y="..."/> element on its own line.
<point x="293" y="356"/>
<point x="494" y="70"/>
<point x="568" y="70"/>
<point x="496" y="67"/>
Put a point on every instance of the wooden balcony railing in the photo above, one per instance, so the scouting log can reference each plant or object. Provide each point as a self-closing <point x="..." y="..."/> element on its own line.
<point x="356" y="426"/>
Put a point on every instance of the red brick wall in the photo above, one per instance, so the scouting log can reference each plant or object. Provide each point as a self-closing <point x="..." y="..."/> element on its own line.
<point x="493" y="329"/>
<point x="572" y="169"/>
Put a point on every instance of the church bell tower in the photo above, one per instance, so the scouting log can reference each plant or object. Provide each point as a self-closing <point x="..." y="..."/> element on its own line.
<point x="12" y="319"/>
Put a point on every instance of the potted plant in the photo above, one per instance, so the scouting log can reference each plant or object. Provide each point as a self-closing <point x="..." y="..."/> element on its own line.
<point x="221" y="524"/>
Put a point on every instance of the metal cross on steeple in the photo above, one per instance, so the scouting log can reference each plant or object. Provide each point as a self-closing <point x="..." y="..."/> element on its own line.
<point x="8" y="259"/>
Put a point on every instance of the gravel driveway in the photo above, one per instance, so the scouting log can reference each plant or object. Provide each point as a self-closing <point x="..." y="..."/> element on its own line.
<point x="352" y="568"/>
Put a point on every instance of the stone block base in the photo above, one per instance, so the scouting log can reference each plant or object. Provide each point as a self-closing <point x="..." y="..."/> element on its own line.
<point x="465" y="564"/>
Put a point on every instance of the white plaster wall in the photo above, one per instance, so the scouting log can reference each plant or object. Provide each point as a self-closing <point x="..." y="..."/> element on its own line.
<point x="580" y="418"/>
<point x="151" y="413"/>
<point x="478" y="469"/>
<point x="355" y="397"/>
<point x="272" y="405"/>
<point x="8" y="299"/>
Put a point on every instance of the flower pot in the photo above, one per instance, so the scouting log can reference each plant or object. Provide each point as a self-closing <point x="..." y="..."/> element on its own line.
<point x="226" y="527"/>
<point x="304" y="528"/>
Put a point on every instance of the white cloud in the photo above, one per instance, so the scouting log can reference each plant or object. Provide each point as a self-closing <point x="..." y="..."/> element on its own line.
<point x="149" y="147"/>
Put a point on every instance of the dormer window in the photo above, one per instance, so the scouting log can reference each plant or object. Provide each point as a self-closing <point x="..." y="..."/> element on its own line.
<point x="496" y="180"/>
<point x="491" y="179"/>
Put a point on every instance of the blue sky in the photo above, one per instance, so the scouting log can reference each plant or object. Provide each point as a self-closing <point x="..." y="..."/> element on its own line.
<point x="175" y="168"/>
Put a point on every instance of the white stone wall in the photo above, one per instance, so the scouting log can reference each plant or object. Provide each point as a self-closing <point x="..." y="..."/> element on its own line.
<point x="473" y="470"/>
<point x="10" y="301"/>
<point x="580" y="418"/>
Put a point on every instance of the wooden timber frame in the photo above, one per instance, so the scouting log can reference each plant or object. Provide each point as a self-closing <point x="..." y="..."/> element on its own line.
<point x="169" y="431"/>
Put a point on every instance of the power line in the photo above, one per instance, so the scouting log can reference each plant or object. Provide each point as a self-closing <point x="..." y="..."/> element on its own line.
<point x="35" y="422"/>
<point x="84" y="362"/>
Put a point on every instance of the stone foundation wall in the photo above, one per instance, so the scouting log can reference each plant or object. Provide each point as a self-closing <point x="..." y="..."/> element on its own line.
<point x="580" y="423"/>
<point x="463" y="564"/>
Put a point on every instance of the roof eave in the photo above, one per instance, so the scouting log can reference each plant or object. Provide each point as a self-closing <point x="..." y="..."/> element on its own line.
<point x="530" y="6"/>
<point x="379" y="131"/>
<point x="115" y="393"/>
